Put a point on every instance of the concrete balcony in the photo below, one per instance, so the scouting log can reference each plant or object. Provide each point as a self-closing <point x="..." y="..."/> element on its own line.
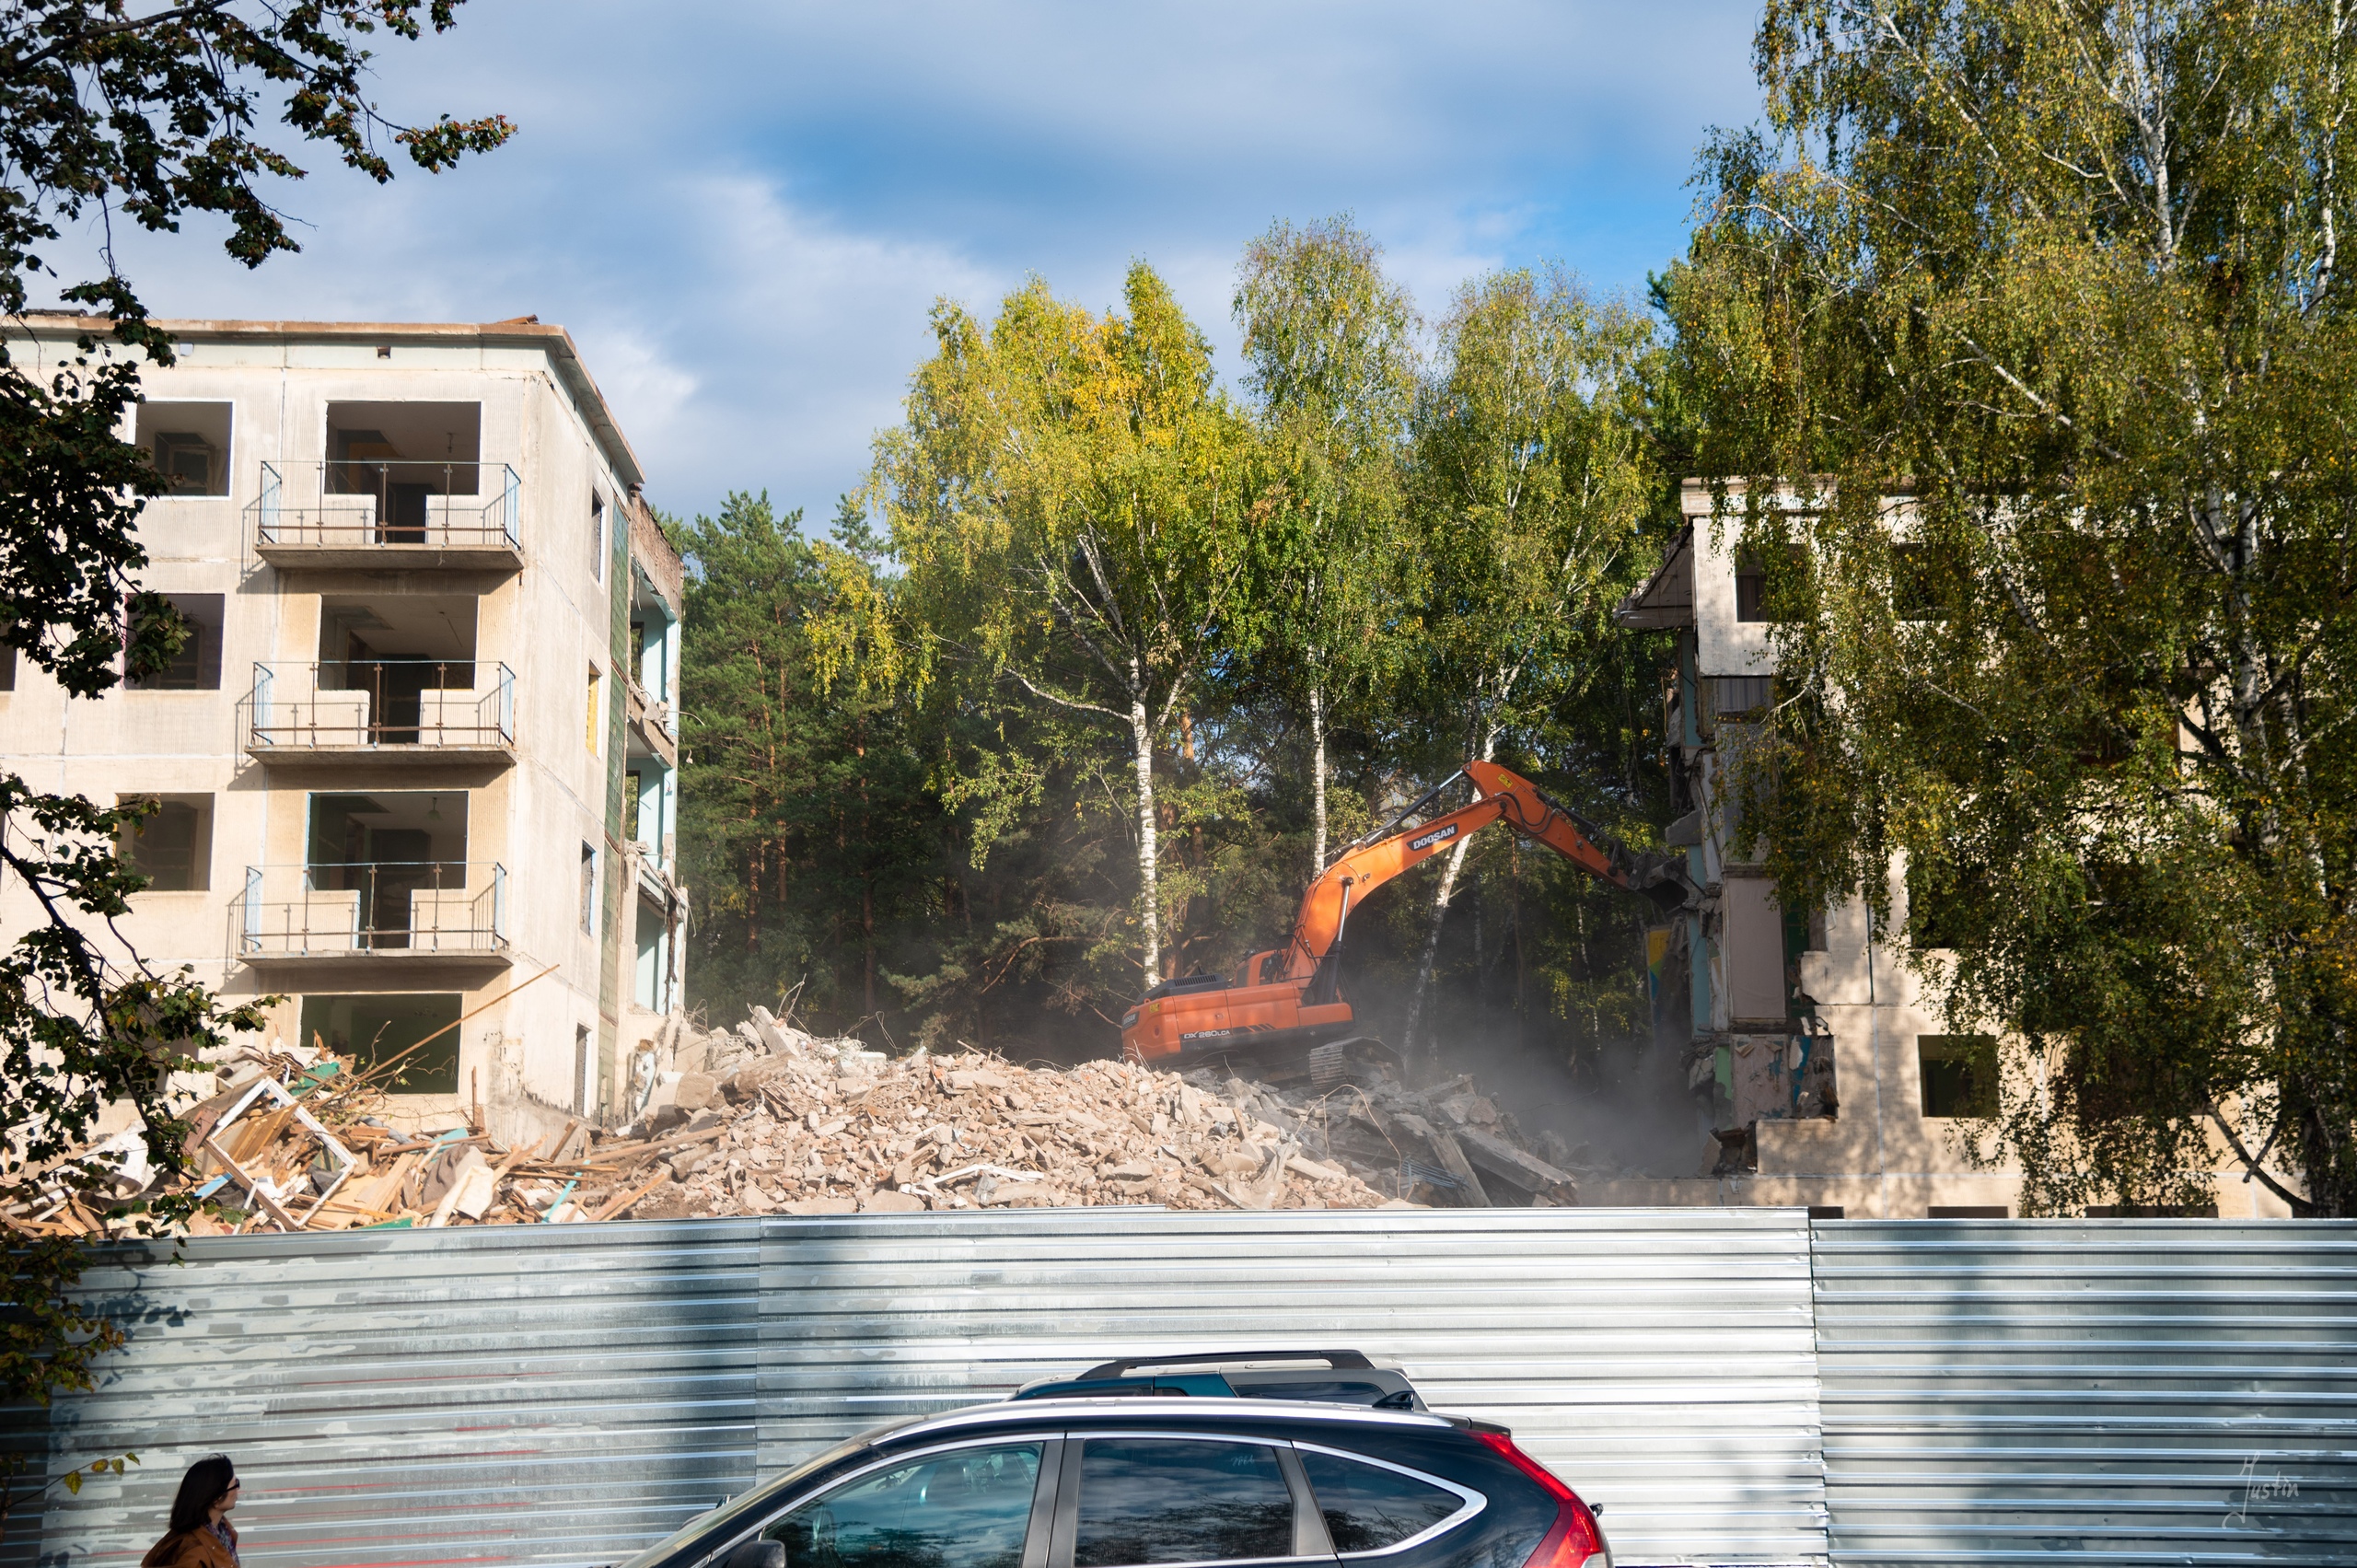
<point x="397" y="711"/>
<point x="390" y="515"/>
<point x="396" y="914"/>
<point x="652" y="727"/>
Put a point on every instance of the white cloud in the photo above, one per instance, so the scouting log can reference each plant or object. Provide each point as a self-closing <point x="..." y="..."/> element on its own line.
<point x="744" y="213"/>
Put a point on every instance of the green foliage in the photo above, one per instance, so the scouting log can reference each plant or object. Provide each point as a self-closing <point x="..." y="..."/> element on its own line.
<point x="809" y="833"/>
<point x="1328" y="343"/>
<point x="1097" y="600"/>
<point x="2048" y="302"/>
<point x="150" y="117"/>
<point x="1067" y="505"/>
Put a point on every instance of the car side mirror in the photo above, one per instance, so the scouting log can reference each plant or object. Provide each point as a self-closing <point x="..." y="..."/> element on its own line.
<point x="756" y="1554"/>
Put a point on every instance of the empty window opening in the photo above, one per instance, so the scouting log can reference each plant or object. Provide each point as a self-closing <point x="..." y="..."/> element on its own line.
<point x="1740" y="697"/>
<point x="589" y="723"/>
<point x="197" y="666"/>
<point x="189" y="444"/>
<point x="581" y="1069"/>
<point x="412" y="457"/>
<point x="2147" y="1212"/>
<point x="1916" y="591"/>
<point x="588" y="889"/>
<point x="173" y="847"/>
<point x="1827" y="1212"/>
<point x="598" y="536"/>
<point x="1752" y="588"/>
<point x="1959" y="1074"/>
<point x="403" y="853"/>
<point x="1968" y="1212"/>
<point x="7" y="667"/>
<point x="653" y="952"/>
<point x="379" y="1028"/>
<point x="404" y="650"/>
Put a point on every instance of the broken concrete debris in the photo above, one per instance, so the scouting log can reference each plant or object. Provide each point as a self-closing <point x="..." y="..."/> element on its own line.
<point x="770" y="1120"/>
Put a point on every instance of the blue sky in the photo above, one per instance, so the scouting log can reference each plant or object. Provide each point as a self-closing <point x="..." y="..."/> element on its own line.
<point x="743" y="212"/>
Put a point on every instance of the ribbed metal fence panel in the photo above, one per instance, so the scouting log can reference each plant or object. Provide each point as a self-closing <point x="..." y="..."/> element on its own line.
<point x="547" y="1394"/>
<point x="2111" y="1391"/>
<point x="1661" y="1360"/>
<point x="558" y="1395"/>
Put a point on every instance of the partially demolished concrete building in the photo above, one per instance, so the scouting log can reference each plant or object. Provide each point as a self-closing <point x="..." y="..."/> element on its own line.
<point x="1822" y="1071"/>
<point x="418" y="759"/>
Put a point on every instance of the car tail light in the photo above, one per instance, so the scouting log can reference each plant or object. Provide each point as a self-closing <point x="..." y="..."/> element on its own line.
<point x="1576" y="1541"/>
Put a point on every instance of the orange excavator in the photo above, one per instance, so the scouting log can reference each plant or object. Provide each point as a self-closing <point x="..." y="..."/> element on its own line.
<point x="1287" y="1001"/>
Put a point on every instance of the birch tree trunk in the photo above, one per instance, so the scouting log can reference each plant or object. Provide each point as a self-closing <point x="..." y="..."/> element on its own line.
<point x="1149" y="891"/>
<point x="1318" y="777"/>
<point x="1447" y="890"/>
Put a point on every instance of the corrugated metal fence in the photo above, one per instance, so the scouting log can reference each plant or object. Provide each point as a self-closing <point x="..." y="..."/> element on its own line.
<point x="520" y="1394"/>
<point x="563" y="1395"/>
<point x="2118" y="1391"/>
<point x="2112" y="1391"/>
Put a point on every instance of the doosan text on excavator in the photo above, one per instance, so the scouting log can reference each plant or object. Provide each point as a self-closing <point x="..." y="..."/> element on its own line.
<point x="1283" y="1004"/>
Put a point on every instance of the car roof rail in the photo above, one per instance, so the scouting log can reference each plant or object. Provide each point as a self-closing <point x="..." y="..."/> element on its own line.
<point x="1339" y="1360"/>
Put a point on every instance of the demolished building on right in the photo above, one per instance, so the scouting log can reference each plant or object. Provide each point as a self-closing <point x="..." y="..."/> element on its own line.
<point x="1822" y="1069"/>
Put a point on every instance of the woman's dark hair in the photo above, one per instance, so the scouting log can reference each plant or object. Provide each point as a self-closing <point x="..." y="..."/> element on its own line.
<point x="207" y="1482"/>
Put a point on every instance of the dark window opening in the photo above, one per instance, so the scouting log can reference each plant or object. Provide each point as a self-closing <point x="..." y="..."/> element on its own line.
<point x="1827" y="1212"/>
<point x="1917" y="592"/>
<point x="1146" y="1499"/>
<point x="1752" y="588"/>
<point x="1969" y="1211"/>
<point x="197" y="666"/>
<point x="598" y="536"/>
<point x="189" y="444"/>
<point x="1944" y="902"/>
<point x="2150" y="1211"/>
<point x="404" y="853"/>
<point x="1740" y="697"/>
<point x="588" y="889"/>
<point x="1960" y="1074"/>
<point x="399" y="648"/>
<point x="173" y="847"/>
<point x="377" y="1029"/>
<point x="7" y="667"/>
<point x="413" y="457"/>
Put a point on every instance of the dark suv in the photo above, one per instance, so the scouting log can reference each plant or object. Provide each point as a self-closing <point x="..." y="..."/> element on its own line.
<point x="1125" y="1482"/>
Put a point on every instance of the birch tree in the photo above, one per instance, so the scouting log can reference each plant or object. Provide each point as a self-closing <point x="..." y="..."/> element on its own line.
<point x="1530" y="479"/>
<point x="1328" y="343"/>
<point x="1066" y="502"/>
<point x="2048" y="301"/>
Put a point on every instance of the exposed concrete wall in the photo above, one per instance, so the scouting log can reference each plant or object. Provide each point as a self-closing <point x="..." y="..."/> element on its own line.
<point x="1878" y="1154"/>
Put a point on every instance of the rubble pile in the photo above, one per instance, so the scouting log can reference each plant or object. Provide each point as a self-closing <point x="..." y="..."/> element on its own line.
<point x="781" y="1122"/>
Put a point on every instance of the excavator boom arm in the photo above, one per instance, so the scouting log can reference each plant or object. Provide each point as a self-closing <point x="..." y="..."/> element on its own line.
<point x="1505" y="796"/>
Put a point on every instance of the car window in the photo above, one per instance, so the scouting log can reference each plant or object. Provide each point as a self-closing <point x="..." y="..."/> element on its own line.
<point x="1368" y="1508"/>
<point x="1179" y="1500"/>
<point x="965" y="1508"/>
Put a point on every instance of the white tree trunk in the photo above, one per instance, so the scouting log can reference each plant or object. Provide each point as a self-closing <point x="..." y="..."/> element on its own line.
<point x="1318" y="779"/>
<point x="1447" y="890"/>
<point x="1149" y="890"/>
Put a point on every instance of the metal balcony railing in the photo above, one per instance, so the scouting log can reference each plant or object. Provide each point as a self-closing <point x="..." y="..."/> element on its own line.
<point x="387" y="702"/>
<point x="390" y="501"/>
<point x="341" y="909"/>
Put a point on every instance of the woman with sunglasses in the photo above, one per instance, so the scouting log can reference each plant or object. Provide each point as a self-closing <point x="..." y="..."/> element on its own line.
<point x="201" y="1536"/>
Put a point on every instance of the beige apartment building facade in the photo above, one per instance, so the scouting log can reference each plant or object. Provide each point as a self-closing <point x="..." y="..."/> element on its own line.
<point x="418" y="762"/>
<point x="1822" y="1071"/>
